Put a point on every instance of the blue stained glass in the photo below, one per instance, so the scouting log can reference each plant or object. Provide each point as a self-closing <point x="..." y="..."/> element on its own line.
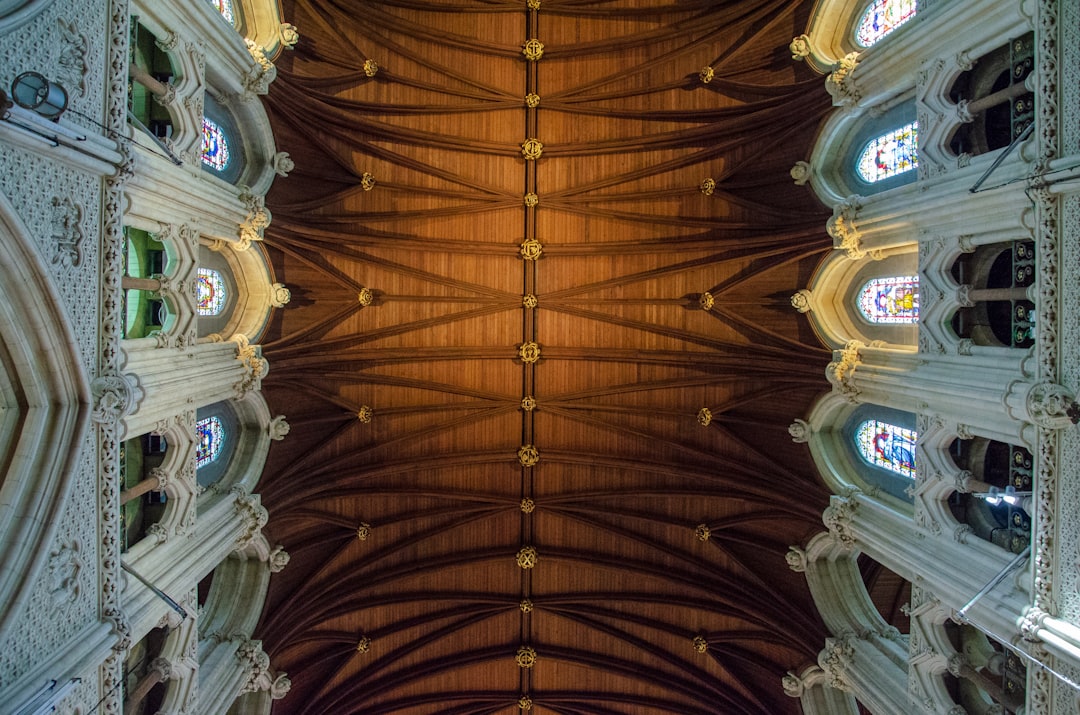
<point x="890" y="154"/>
<point x="210" y="438"/>
<point x="890" y="300"/>
<point x="881" y="18"/>
<point x="887" y="446"/>
<point x="209" y="292"/>
<point x="225" y="7"/>
<point x="215" y="145"/>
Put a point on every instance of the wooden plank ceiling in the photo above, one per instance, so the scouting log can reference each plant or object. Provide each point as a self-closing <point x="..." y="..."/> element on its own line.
<point x="425" y="614"/>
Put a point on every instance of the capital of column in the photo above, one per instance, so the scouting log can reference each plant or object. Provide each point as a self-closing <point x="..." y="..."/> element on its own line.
<point x="253" y="516"/>
<point x="837" y="519"/>
<point x="842" y="229"/>
<point x="841" y="371"/>
<point x="841" y="83"/>
<point x="835" y="659"/>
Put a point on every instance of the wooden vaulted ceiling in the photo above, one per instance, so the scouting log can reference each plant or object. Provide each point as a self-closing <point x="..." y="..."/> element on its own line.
<point x="425" y="613"/>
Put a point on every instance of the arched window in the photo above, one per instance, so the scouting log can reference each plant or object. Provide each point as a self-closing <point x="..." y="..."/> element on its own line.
<point x="889" y="154"/>
<point x="210" y="292"/>
<point x="882" y="17"/>
<point x="887" y="446"/>
<point x="215" y="146"/>
<point x="210" y="436"/>
<point x="890" y="300"/>
<point x="225" y="7"/>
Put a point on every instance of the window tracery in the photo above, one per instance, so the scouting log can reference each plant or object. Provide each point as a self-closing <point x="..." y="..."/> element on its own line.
<point x="894" y="300"/>
<point x="887" y="446"/>
<point x="210" y="292"/>
<point x="215" y="146"/>
<point x="210" y="438"/>
<point x="881" y="17"/>
<point x="890" y="154"/>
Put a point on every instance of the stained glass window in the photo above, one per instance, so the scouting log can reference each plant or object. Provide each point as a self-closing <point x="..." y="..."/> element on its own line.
<point x="209" y="292"/>
<point x="215" y="145"/>
<point x="890" y="154"/>
<point x="887" y="446"/>
<point x="225" y="7"/>
<point x="881" y="18"/>
<point x="890" y="300"/>
<point x="210" y="436"/>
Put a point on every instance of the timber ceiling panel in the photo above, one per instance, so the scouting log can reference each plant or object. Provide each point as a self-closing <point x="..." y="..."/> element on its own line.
<point x="402" y="493"/>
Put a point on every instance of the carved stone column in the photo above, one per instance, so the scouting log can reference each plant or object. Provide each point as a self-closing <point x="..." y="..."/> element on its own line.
<point x="160" y="671"/>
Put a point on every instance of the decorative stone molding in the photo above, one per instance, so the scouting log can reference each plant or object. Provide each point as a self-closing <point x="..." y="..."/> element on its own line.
<point x="278" y="428"/>
<point x="800" y="431"/>
<point x="796" y="559"/>
<point x="262" y="74"/>
<point x="283" y="164"/>
<point x="279" y="295"/>
<point x="70" y="55"/>
<point x="800" y="47"/>
<point x="793" y="685"/>
<point x="253" y="516"/>
<point x="62" y="569"/>
<point x="256" y="665"/>
<point x="837" y="519"/>
<point x="278" y="559"/>
<point x="800" y="173"/>
<point x="841" y="371"/>
<point x="115" y="397"/>
<point x="67" y="232"/>
<point x="842" y="229"/>
<point x="835" y="660"/>
<point x="289" y="35"/>
<point x="255" y="365"/>
<point x="841" y="83"/>
<point x="258" y="218"/>
<point x="1051" y="406"/>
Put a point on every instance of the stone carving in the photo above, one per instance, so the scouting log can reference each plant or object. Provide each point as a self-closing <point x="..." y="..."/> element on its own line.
<point x="258" y="218"/>
<point x="280" y="687"/>
<point x="115" y="397"/>
<point x="289" y="35"/>
<point x="842" y="229"/>
<point x="800" y="431"/>
<point x="256" y="664"/>
<point x="63" y="573"/>
<point x="841" y="83"/>
<point x="255" y="365"/>
<point x="800" y="48"/>
<point x="793" y="685"/>
<point x="800" y="173"/>
<point x="279" y="295"/>
<point x="67" y="232"/>
<point x="283" y="164"/>
<point x="253" y="516"/>
<point x="71" y="57"/>
<point x="262" y="74"/>
<point x="278" y="559"/>
<point x="841" y="371"/>
<point x="800" y="300"/>
<point x="796" y="559"/>
<point x="278" y="428"/>
<point x="835" y="659"/>
<point x="837" y="519"/>
<point x="1052" y="406"/>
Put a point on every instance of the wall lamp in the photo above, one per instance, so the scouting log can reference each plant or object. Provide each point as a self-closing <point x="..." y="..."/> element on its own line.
<point x="31" y="90"/>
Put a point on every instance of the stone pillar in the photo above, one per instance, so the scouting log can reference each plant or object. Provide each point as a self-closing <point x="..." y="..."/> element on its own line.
<point x="858" y="666"/>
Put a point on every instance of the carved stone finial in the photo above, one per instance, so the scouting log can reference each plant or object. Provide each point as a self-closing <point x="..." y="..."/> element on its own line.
<point x="800" y="300"/>
<point x="527" y="557"/>
<point x="278" y="428"/>
<point x="528" y="455"/>
<point x="800" y="173"/>
<point x="799" y="431"/>
<point x="704" y="417"/>
<point x="800" y="48"/>
<point x="796" y="559"/>
<point x="283" y="164"/>
<point x="279" y="295"/>
<point x="278" y="559"/>
<point x="526" y="657"/>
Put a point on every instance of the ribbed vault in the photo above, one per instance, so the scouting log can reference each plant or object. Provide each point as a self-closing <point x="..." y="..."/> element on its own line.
<point x="429" y="452"/>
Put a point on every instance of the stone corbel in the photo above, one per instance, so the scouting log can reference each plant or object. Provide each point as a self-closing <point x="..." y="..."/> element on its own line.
<point x="253" y="516"/>
<point x="278" y="559"/>
<point x="255" y="365"/>
<point x="279" y="295"/>
<point x="278" y="428"/>
<point x="835" y="659"/>
<point x="115" y="397"/>
<point x="837" y="519"/>
<point x="841" y="371"/>
<point x="842" y="229"/>
<point x="259" y="77"/>
<point x="800" y="431"/>
<point x="802" y="300"/>
<point x="840" y="84"/>
<point x="258" y="218"/>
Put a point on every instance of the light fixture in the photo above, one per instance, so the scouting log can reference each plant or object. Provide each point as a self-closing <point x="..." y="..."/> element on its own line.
<point x="1009" y="496"/>
<point x="31" y="90"/>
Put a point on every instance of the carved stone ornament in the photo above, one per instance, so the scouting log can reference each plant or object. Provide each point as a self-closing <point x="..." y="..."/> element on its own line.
<point x="528" y="506"/>
<point x="841" y="371"/>
<point x="264" y="72"/>
<point x="800" y="300"/>
<point x="371" y="68"/>
<point x="837" y="519"/>
<point x="532" y="100"/>
<point x="702" y="532"/>
<point x="796" y="559"/>
<point x="525" y="702"/>
<point x="793" y="685"/>
<point x="289" y="35"/>
<point x="71" y="57"/>
<point x="1051" y="406"/>
<point x="67" y="232"/>
<point x="366" y="296"/>
<point x="527" y="557"/>
<point x="531" y="249"/>
<point x="528" y="455"/>
<point x="256" y="663"/>
<point x="255" y="365"/>
<point x="279" y="295"/>
<point x="280" y="687"/>
<point x="529" y="353"/>
<point x="799" y="431"/>
<point x="706" y="301"/>
<point x="528" y="403"/>
<point x="253" y="516"/>
<point x="531" y="199"/>
<point x="254" y="226"/>
<point x="364" y="414"/>
<point x="842" y="229"/>
<point x="708" y="186"/>
<point x="700" y="644"/>
<point x="278" y="428"/>
<point x="835" y="659"/>
<point x="278" y="559"/>
<point x="115" y="397"/>
<point x="704" y="417"/>
<point x="533" y="50"/>
<point x="526" y="657"/>
<point x="706" y="74"/>
<point x="62" y="572"/>
<point x="841" y="83"/>
<point x="800" y="173"/>
<point x="363" y="531"/>
<point x="529" y="301"/>
<point x="532" y="149"/>
<point x="367" y="181"/>
<point x="800" y="48"/>
<point x="283" y="164"/>
<point x="526" y="605"/>
<point x="363" y="645"/>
